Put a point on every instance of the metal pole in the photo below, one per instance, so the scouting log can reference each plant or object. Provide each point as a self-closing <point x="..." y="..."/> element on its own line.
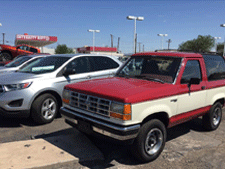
<point x="224" y="46"/>
<point x="135" y="35"/>
<point x="162" y="41"/>
<point x="118" y="44"/>
<point x="93" y="41"/>
<point x="111" y="40"/>
<point x="3" y="34"/>
<point x="215" y="44"/>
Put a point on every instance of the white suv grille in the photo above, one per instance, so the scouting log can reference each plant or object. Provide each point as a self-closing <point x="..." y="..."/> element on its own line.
<point x="90" y="103"/>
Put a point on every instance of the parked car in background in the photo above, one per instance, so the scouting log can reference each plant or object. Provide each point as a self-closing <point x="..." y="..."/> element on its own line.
<point x="8" y="52"/>
<point x="20" y="61"/>
<point x="4" y="63"/>
<point x="36" y="89"/>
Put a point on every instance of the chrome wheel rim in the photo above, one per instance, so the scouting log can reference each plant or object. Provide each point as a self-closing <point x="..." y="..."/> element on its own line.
<point x="154" y="141"/>
<point x="216" y="116"/>
<point x="48" y="109"/>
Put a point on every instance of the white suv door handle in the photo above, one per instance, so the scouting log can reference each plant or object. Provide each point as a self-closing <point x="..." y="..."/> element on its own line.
<point x="88" y="77"/>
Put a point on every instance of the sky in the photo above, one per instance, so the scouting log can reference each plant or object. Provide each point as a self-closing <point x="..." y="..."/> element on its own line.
<point x="69" y="21"/>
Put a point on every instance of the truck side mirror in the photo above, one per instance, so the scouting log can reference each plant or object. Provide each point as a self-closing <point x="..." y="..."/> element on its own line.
<point x="193" y="81"/>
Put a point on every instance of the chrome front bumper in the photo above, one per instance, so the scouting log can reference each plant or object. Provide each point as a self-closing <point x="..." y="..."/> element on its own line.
<point x="110" y="130"/>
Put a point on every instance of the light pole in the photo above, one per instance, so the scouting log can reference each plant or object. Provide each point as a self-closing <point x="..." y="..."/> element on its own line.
<point x="216" y="42"/>
<point x="90" y="30"/>
<point x="162" y="35"/>
<point x="223" y="25"/>
<point x="139" y="18"/>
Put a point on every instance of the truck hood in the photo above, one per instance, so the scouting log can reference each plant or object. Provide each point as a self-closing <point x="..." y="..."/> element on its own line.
<point x="124" y="90"/>
<point x="6" y="45"/>
<point x="17" y="77"/>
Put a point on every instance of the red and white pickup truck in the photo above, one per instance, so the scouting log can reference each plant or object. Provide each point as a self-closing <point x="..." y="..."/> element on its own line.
<point x="150" y="93"/>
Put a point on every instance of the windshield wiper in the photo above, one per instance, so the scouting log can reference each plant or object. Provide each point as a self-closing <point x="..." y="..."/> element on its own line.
<point x="149" y="78"/>
<point x="125" y="76"/>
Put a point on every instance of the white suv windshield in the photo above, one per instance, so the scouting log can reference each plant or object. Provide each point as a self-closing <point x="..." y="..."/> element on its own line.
<point x="44" y="65"/>
<point x="155" y="68"/>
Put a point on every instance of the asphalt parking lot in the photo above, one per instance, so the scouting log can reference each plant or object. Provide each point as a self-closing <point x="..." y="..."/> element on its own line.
<point x="188" y="146"/>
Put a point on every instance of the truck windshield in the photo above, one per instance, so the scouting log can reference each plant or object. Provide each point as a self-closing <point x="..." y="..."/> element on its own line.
<point x="154" y="68"/>
<point x="44" y="65"/>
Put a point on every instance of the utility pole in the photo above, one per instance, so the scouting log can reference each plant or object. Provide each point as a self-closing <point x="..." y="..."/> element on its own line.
<point x="118" y="44"/>
<point x="3" y="34"/>
<point x="135" y="46"/>
<point x="169" y="41"/>
<point x="139" y="46"/>
<point x="111" y="40"/>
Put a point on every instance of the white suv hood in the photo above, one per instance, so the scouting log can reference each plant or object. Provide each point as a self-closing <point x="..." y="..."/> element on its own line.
<point x="17" y="77"/>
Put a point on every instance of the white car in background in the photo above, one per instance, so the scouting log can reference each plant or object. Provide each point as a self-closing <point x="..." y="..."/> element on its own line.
<point x="20" y="62"/>
<point x="35" y="90"/>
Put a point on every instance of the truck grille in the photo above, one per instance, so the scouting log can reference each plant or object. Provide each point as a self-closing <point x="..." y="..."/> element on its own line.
<point x="1" y="89"/>
<point x="90" y="103"/>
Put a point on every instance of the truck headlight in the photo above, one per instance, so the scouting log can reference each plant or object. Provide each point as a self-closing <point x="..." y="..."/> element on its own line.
<point x="66" y="96"/>
<point x="120" y="111"/>
<point x="19" y="86"/>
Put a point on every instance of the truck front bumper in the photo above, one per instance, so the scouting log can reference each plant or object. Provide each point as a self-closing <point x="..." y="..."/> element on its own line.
<point x="92" y="125"/>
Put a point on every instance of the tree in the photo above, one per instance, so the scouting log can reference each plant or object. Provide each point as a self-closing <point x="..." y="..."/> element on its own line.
<point x="220" y="47"/>
<point x="63" y="49"/>
<point x="201" y="44"/>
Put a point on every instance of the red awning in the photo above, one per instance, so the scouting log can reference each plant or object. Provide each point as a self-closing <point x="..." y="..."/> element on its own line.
<point x="35" y="40"/>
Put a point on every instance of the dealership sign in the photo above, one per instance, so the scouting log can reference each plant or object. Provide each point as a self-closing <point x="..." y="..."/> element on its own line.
<point x="36" y="38"/>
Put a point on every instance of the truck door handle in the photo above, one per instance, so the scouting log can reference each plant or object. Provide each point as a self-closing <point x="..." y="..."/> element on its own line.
<point x="203" y="87"/>
<point x="173" y="100"/>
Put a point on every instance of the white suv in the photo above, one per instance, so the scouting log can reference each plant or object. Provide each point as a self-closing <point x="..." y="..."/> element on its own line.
<point x="36" y="89"/>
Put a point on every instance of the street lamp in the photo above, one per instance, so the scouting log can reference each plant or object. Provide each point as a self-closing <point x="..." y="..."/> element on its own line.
<point x="162" y="35"/>
<point x="223" y="25"/>
<point x="139" y="18"/>
<point x="216" y="42"/>
<point x="97" y="31"/>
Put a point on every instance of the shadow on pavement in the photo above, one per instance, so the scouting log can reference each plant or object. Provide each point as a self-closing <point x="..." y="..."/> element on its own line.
<point x="113" y="152"/>
<point x="16" y="122"/>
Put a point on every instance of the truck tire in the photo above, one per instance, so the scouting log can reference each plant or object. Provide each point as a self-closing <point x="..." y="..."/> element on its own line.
<point x="44" y="109"/>
<point x="211" y="120"/>
<point x="150" y="141"/>
<point x="5" y="56"/>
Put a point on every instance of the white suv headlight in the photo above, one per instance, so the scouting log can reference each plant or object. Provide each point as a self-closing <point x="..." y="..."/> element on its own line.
<point x="11" y="87"/>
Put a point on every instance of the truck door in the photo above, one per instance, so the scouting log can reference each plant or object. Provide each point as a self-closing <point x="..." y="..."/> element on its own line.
<point x="194" y="97"/>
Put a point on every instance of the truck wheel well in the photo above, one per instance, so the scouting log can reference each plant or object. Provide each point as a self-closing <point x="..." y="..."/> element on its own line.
<point x="162" y="116"/>
<point x="221" y="101"/>
<point x="7" y="51"/>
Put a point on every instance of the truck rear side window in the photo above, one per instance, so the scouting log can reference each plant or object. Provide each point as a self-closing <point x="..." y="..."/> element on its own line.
<point x="215" y="67"/>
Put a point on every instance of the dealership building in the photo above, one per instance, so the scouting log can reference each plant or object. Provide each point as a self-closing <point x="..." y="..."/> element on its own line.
<point x="37" y="41"/>
<point x="99" y="50"/>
